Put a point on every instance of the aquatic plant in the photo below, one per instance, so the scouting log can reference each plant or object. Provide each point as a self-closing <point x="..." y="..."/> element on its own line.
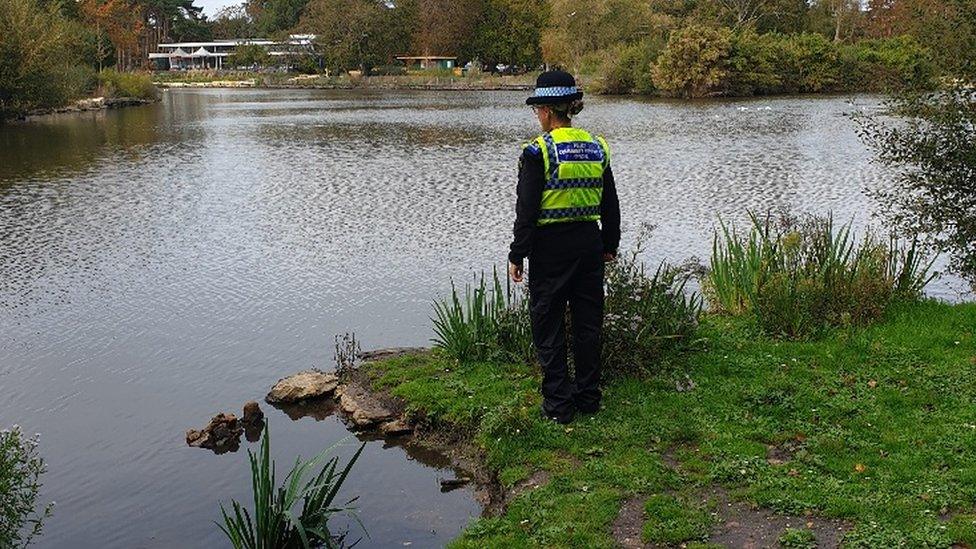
<point x="482" y="322"/>
<point x="646" y="317"/>
<point x="274" y="524"/>
<point x="798" y="278"/>
<point x="20" y="472"/>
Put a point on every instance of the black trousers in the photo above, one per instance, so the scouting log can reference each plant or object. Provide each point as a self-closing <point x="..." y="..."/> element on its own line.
<point x="566" y="268"/>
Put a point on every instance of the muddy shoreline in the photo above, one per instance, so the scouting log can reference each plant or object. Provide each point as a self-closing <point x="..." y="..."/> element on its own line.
<point x="92" y="104"/>
<point x="434" y="86"/>
<point x="456" y="446"/>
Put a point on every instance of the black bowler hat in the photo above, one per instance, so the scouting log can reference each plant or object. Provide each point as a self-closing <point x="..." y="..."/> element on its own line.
<point x="554" y="87"/>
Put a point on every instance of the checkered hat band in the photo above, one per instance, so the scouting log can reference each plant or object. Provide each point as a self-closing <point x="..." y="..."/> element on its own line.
<point x="556" y="91"/>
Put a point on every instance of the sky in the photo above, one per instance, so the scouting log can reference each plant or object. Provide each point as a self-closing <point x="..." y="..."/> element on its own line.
<point x="210" y="7"/>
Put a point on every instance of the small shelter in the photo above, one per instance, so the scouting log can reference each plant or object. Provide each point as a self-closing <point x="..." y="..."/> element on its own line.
<point x="424" y="62"/>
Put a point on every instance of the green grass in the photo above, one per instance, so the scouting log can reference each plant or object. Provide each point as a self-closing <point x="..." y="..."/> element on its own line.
<point x="880" y="424"/>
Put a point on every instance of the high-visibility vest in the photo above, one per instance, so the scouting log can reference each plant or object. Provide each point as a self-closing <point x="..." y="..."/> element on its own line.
<point x="574" y="162"/>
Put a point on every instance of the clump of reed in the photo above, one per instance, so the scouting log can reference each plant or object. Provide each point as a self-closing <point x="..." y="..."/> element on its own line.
<point x="484" y="322"/>
<point x="275" y="523"/>
<point x="798" y="278"/>
<point x="647" y="316"/>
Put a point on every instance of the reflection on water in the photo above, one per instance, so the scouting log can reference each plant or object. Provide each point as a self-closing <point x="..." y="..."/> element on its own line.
<point x="160" y="264"/>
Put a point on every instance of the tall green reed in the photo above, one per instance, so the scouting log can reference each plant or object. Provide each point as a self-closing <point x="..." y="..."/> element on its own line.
<point x="274" y="524"/>
<point x="483" y="322"/>
<point x="800" y="277"/>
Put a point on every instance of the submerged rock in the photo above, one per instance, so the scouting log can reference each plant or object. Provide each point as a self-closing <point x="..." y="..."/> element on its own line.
<point x="396" y="428"/>
<point x="252" y="412"/>
<point x="361" y="407"/>
<point x="253" y="421"/>
<point x="307" y="385"/>
<point x="222" y="434"/>
<point x="449" y="484"/>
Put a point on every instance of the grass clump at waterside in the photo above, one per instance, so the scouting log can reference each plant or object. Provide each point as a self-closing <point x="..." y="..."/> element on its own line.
<point x="137" y="85"/>
<point x="799" y="278"/>
<point x="649" y="318"/>
<point x="873" y="426"/>
<point x="274" y="522"/>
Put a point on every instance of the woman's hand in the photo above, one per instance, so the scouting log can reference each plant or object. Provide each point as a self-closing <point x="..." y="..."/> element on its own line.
<point x="608" y="257"/>
<point x="515" y="272"/>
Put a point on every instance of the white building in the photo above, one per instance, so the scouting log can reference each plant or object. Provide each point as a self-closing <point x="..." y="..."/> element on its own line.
<point x="213" y="55"/>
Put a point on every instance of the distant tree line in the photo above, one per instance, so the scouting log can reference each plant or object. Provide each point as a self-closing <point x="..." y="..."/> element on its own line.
<point x="688" y="48"/>
<point x="674" y="47"/>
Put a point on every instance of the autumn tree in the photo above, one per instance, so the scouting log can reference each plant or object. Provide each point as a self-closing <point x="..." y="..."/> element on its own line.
<point x="354" y="33"/>
<point x="232" y="22"/>
<point x="276" y="17"/>
<point x="444" y="27"/>
<point x="36" y="46"/>
<point x="122" y="22"/>
<point x="509" y="31"/>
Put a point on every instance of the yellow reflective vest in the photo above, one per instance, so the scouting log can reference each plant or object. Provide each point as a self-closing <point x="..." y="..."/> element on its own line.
<point x="574" y="162"/>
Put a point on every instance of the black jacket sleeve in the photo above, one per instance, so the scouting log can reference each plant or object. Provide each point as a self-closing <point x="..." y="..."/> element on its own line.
<point x="531" y="180"/>
<point x="610" y="213"/>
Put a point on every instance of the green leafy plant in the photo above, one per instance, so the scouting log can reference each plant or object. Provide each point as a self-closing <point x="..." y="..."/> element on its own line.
<point x="274" y="523"/>
<point x="20" y="472"/>
<point x="797" y="538"/>
<point x="931" y="148"/>
<point x="798" y="278"/>
<point x="647" y="316"/>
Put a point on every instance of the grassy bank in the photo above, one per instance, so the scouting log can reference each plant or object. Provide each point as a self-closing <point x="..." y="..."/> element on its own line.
<point x="874" y="427"/>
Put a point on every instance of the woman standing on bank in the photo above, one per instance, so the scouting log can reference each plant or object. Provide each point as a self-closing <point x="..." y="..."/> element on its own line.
<point x="567" y="224"/>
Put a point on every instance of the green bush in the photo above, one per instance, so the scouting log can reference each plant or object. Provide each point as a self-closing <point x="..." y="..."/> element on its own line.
<point x="627" y="69"/>
<point x="20" y="472"/>
<point x="799" y="278"/>
<point x="809" y="63"/>
<point x="36" y="50"/>
<point x="694" y="62"/>
<point x="754" y="64"/>
<point x="274" y="522"/>
<point x="890" y="64"/>
<point x="647" y="316"/>
<point x="126" y="84"/>
<point x="80" y="80"/>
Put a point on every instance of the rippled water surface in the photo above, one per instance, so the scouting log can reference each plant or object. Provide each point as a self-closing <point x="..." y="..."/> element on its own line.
<point x="162" y="263"/>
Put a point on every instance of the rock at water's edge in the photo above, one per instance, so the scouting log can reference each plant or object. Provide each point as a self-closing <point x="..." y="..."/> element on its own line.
<point x="396" y="428"/>
<point x="307" y="385"/>
<point x="252" y="412"/>
<point x="363" y="409"/>
<point x="222" y="433"/>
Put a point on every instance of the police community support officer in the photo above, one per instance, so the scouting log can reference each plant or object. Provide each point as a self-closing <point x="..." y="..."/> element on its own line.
<point x="565" y="188"/>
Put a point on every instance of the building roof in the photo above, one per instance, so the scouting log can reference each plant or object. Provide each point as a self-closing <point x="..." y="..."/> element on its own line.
<point x="294" y="40"/>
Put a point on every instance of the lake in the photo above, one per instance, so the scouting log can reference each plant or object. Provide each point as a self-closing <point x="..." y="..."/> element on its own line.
<point x="164" y="263"/>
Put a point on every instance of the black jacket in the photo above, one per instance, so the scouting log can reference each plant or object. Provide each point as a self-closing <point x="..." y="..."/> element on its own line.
<point x="531" y="181"/>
